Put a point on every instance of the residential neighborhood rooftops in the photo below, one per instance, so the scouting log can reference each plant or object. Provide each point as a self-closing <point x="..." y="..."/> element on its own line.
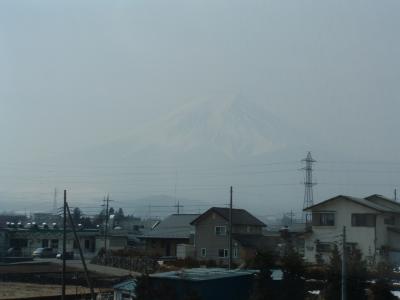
<point x="174" y="226"/>
<point x="239" y="216"/>
<point x="385" y="205"/>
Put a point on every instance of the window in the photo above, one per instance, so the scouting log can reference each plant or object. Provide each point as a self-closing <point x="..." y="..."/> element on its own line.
<point x="54" y="244"/>
<point x="203" y="252"/>
<point x="236" y="252"/>
<point x="390" y="220"/>
<point x="223" y="253"/>
<point x="323" y="219"/>
<point x="323" y="247"/>
<point x="220" y="230"/>
<point x="363" y="220"/>
<point x="45" y="243"/>
<point x="87" y="244"/>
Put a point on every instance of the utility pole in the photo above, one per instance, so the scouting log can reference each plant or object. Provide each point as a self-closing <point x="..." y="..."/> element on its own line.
<point x="81" y="254"/>
<point x="395" y="194"/>
<point x="178" y="206"/>
<point x="230" y="229"/>
<point x="344" y="270"/>
<point x="64" y="245"/>
<point x="55" y="202"/>
<point x="107" y="201"/>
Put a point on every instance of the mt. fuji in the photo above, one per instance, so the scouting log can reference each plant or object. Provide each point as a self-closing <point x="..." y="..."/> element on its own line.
<point x="227" y="129"/>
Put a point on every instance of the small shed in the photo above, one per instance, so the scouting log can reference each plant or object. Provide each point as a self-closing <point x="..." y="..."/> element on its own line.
<point x="210" y="284"/>
<point x="125" y="290"/>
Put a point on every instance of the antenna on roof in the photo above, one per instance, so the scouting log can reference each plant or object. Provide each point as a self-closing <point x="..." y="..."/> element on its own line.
<point x="308" y="186"/>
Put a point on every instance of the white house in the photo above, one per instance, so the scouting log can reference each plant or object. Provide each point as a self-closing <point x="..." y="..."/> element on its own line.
<point x="372" y="225"/>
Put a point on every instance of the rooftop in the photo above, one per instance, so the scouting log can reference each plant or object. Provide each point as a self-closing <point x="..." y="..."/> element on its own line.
<point x="201" y="274"/>
<point x="174" y="226"/>
<point x="239" y="216"/>
<point x="128" y="285"/>
<point x="369" y="202"/>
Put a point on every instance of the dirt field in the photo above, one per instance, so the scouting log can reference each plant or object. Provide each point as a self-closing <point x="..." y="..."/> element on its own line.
<point x="9" y="290"/>
<point x="33" y="268"/>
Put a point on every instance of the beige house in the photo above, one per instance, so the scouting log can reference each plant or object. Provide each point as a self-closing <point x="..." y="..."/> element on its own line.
<point x="212" y="239"/>
<point x="372" y="225"/>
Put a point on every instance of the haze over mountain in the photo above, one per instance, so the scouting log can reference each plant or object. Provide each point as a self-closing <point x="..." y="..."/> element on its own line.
<point x="220" y="129"/>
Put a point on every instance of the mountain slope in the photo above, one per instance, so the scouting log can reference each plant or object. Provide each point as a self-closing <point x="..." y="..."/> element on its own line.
<point x="230" y="128"/>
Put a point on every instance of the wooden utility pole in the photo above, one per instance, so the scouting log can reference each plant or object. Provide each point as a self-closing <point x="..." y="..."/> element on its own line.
<point x="81" y="254"/>
<point x="64" y="245"/>
<point x="230" y="230"/>
<point x="106" y="222"/>
<point x="344" y="269"/>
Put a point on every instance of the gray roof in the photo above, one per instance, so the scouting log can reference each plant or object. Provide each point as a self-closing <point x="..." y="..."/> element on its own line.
<point x="239" y="216"/>
<point x="129" y="286"/>
<point x="173" y="227"/>
<point x="202" y="274"/>
<point x="383" y="201"/>
<point x="361" y="201"/>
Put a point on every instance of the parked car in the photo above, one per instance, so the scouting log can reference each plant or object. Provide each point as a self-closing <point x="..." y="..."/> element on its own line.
<point x="44" y="253"/>
<point x="14" y="252"/>
<point x="68" y="255"/>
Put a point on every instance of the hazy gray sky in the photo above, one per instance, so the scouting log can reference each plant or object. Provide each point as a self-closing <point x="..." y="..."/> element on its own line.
<point x="76" y="74"/>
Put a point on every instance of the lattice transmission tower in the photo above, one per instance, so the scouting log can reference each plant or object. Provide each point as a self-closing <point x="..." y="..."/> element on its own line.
<point x="308" y="186"/>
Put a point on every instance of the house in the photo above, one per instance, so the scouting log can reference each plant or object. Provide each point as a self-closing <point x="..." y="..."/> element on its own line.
<point x="372" y="225"/>
<point x="279" y="236"/>
<point x="168" y="234"/>
<point x="4" y="241"/>
<point x="29" y="239"/>
<point x="212" y="236"/>
<point x="7" y="220"/>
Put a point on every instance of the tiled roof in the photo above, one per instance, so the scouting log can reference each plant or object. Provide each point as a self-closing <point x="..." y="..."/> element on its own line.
<point x="174" y="226"/>
<point x="239" y="216"/>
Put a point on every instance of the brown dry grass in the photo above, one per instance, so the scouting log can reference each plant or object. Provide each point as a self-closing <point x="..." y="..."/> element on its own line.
<point x="9" y="290"/>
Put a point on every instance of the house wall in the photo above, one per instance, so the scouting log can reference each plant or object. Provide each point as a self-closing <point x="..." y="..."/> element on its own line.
<point x="113" y="242"/>
<point x="205" y="237"/>
<point x="394" y="240"/>
<point x="31" y="240"/>
<point x="164" y="247"/>
<point x="368" y="239"/>
<point x="4" y="242"/>
<point x="185" y="251"/>
<point x="247" y="229"/>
